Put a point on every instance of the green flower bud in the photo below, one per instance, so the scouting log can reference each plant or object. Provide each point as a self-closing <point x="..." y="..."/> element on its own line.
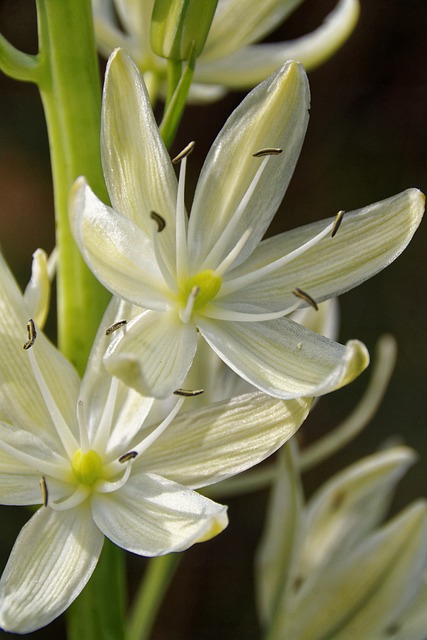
<point x="179" y="28"/>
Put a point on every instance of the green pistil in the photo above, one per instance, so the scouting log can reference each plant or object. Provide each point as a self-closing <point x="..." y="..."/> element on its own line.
<point x="207" y="283"/>
<point x="87" y="467"/>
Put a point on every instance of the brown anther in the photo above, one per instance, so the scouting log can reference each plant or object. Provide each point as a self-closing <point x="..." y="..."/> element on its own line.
<point x="337" y="223"/>
<point x="32" y="334"/>
<point x="160" y="221"/>
<point x="184" y="153"/>
<point x="268" y="151"/>
<point x="116" y="325"/>
<point x="299" y="293"/>
<point x="45" y="494"/>
<point x="128" y="456"/>
<point x="188" y="393"/>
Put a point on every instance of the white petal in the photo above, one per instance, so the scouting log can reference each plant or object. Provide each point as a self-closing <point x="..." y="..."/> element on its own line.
<point x="251" y="64"/>
<point x="137" y="167"/>
<point x="238" y="23"/>
<point x="283" y="358"/>
<point x="130" y="407"/>
<point x="19" y="485"/>
<point x="152" y="516"/>
<point x="361" y="595"/>
<point x="20" y="399"/>
<point x="348" y="507"/>
<point x="367" y="241"/>
<point x="153" y="353"/>
<point x="324" y="320"/>
<point x="52" y="560"/>
<point x="274" y="114"/>
<point x="217" y="441"/>
<point x="118" y="252"/>
<point x="37" y="291"/>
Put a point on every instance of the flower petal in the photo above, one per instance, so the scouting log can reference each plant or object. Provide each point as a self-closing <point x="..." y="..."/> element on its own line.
<point x="37" y="291"/>
<point x="217" y="441"/>
<point x="152" y="516"/>
<point x="52" y="560"/>
<point x="367" y="241"/>
<point x="274" y="114"/>
<point x="20" y="399"/>
<point x="238" y="23"/>
<point x="130" y="407"/>
<point x="283" y="358"/>
<point x="19" y="485"/>
<point x="369" y="589"/>
<point x="348" y="507"/>
<point x="130" y="271"/>
<point x="137" y="167"/>
<point x="153" y="353"/>
<point x="251" y="64"/>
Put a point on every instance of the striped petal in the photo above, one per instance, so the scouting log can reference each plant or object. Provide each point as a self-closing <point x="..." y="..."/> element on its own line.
<point x="153" y="353"/>
<point x="152" y="516"/>
<point x="274" y="114"/>
<point x="217" y="441"/>
<point x="367" y="241"/>
<point x="283" y="358"/>
<point x="52" y="560"/>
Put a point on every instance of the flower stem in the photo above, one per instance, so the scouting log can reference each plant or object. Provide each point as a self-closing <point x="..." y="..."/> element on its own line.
<point x="69" y="84"/>
<point x="157" y="578"/>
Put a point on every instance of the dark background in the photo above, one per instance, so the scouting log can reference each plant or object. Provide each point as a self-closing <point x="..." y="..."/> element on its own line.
<point x="366" y="141"/>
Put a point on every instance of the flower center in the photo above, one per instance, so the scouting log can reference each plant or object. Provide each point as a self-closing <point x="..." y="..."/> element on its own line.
<point x="200" y="289"/>
<point x="87" y="467"/>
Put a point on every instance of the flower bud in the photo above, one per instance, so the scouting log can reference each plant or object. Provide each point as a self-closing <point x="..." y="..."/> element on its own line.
<point x="179" y="28"/>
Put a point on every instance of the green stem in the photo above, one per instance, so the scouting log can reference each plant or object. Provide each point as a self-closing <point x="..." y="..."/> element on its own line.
<point x="70" y="90"/>
<point x="69" y="84"/>
<point x="17" y="64"/>
<point x="176" y="105"/>
<point x="98" y="614"/>
<point x="157" y="578"/>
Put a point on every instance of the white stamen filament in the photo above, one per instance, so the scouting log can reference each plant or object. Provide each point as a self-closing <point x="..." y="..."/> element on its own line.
<point x="152" y="437"/>
<point x="81" y="419"/>
<point x="58" y="470"/>
<point x="228" y="261"/>
<point x="102" y="433"/>
<point x="255" y="276"/>
<point x="219" y="313"/>
<point x="185" y="314"/>
<point x="217" y="250"/>
<point x="105" y="486"/>
<point x="65" y="435"/>
<point x="181" y="226"/>
<point x="76" y="498"/>
<point x="169" y="279"/>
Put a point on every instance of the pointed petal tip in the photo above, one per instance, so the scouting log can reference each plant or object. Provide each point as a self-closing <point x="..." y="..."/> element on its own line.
<point x="215" y="526"/>
<point x="355" y="362"/>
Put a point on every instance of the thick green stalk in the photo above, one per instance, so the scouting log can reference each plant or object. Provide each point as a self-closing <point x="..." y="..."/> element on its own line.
<point x="69" y="84"/>
<point x="70" y="89"/>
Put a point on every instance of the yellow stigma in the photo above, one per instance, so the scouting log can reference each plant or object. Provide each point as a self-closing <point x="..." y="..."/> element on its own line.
<point x="87" y="467"/>
<point x="208" y="285"/>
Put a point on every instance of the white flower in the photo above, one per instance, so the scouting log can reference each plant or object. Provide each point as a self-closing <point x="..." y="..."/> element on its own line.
<point x="230" y="59"/>
<point x="87" y="452"/>
<point x="331" y="569"/>
<point x="213" y="273"/>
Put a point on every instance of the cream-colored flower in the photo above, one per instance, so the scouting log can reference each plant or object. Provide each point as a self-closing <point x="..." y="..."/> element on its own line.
<point x="89" y="453"/>
<point x="331" y="569"/>
<point x="211" y="272"/>
<point x="230" y="59"/>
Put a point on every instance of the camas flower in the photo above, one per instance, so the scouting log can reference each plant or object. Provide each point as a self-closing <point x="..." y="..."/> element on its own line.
<point x="230" y="59"/>
<point x="86" y="451"/>
<point x="213" y="273"/>
<point x="331" y="569"/>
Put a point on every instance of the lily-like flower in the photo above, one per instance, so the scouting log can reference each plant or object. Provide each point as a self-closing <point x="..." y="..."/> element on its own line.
<point x="213" y="273"/>
<point x="331" y="569"/>
<point x="230" y="59"/>
<point x="87" y="452"/>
